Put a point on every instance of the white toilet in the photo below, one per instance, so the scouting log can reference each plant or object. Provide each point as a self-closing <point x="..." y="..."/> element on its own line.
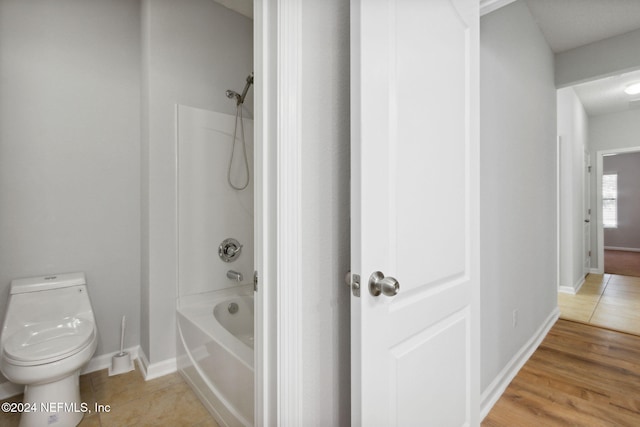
<point x="49" y="333"/>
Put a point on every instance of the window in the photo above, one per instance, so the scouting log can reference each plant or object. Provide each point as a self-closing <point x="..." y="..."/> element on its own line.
<point x="610" y="200"/>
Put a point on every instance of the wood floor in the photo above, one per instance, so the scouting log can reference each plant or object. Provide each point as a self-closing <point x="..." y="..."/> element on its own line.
<point x="609" y="301"/>
<point x="580" y="375"/>
<point x="625" y="263"/>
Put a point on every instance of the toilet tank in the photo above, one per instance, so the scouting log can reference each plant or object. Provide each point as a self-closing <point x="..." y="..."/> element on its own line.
<point x="47" y="298"/>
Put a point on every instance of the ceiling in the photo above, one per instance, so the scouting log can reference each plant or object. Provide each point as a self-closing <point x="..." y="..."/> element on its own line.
<point x="607" y="95"/>
<point x="243" y="7"/>
<point x="567" y="24"/>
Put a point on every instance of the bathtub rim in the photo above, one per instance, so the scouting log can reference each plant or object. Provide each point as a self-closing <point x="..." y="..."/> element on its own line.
<point x="198" y="310"/>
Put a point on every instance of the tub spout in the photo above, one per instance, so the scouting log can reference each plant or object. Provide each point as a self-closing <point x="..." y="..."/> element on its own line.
<point x="234" y="275"/>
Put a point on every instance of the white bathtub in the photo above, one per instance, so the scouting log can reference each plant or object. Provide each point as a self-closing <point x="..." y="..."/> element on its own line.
<point x="215" y="352"/>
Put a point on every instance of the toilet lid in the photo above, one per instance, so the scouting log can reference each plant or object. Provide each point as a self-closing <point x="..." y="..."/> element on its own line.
<point x="48" y="340"/>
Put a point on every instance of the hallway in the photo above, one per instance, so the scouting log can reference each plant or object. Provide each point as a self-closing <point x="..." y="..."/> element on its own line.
<point x="609" y="301"/>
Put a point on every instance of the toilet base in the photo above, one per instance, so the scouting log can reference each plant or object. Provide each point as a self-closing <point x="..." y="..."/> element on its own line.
<point x="55" y="404"/>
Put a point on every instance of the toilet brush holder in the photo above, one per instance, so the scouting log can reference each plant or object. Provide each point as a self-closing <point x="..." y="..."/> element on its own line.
<point x="121" y="362"/>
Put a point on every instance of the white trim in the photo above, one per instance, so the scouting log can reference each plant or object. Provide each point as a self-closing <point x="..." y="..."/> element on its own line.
<point x="152" y="371"/>
<point x="595" y="271"/>
<point x="599" y="225"/>
<point x="289" y="174"/>
<point x="265" y="196"/>
<point x="586" y="202"/>
<point x="616" y="248"/>
<point x="104" y="361"/>
<point x="566" y="290"/>
<point x="97" y="363"/>
<point x="558" y="212"/>
<point x="494" y="391"/>
<point x="574" y="289"/>
<point x="488" y="6"/>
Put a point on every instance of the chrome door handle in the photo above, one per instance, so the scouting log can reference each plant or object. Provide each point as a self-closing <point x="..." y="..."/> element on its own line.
<point x="378" y="284"/>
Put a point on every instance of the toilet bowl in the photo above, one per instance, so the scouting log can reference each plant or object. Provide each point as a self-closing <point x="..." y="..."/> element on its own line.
<point x="49" y="333"/>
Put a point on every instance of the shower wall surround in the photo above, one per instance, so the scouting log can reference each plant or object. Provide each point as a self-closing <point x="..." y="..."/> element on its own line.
<point x="209" y="210"/>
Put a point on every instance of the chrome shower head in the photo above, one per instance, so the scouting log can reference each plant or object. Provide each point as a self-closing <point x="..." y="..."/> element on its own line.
<point x="232" y="94"/>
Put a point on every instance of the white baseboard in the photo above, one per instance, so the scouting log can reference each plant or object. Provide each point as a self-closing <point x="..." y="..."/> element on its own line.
<point x="493" y="392"/>
<point x="567" y="290"/>
<point x="616" y="248"/>
<point x="596" y="271"/>
<point x="572" y="289"/>
<point x="97" y="363"/>
<point x="104" y="361"/>
<point x="151" y="371"/>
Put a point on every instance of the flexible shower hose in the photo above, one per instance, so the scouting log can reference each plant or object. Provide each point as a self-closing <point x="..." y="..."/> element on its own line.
<point x="244" y="150"/>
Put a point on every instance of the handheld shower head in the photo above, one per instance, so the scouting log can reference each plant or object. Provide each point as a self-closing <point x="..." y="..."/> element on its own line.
<point x="232" y="94"/>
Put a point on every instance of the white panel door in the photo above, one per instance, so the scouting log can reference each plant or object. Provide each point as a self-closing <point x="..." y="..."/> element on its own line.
<point x="415" y="213"/>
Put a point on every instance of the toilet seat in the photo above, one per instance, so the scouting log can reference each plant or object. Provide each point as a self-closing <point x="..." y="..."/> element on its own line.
<point x="48" y="341"/>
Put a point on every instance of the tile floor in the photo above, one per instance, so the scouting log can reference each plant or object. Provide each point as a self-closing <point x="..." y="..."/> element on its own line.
<point x="609" y="300"/>
<point x="165" y="401"/>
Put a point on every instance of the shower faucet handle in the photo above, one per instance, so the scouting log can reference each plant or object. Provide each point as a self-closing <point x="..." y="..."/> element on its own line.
<point x="229" y="250"/>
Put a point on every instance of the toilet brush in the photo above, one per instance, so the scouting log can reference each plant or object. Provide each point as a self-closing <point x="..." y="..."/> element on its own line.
<point x="121" y="362"/>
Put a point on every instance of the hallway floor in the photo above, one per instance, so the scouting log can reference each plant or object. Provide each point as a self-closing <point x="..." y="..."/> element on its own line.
<point x="609" y="301"/>
<point x="164" y="401"/>
<point x="580" y="375"/>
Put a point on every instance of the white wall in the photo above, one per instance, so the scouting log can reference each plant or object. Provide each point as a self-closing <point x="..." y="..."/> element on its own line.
<point x="627" y="234"/>
<point x="325" y="159"/>
<point x="518" y="181"/>
<point x="192" y="52"/>
<point x="70" y="151"/>
<point x="609" y="132"/>
<point x="573" y="130"/>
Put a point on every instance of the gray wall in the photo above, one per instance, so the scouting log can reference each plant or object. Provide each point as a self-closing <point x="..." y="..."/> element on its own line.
<point x="607" y="57"/>
<point x="518" y="197"/>
<point x="70" y="151"/>
<point x="627" y="166"/>
<point x="573" y="131"/>
<point x="325" y="212"/>
<point x="192" y="52"/>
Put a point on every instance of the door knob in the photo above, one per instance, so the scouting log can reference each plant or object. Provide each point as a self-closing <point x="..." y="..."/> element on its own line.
<point x="378" y="284"/>
<point x="587" y="220"/>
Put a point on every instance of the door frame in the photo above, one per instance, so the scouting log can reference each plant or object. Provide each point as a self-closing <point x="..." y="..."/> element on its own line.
<point x="600" y="227"/>
<point x="277" y="130"/>
<point x="586" y="202"/>
<point x="278" y="261"/>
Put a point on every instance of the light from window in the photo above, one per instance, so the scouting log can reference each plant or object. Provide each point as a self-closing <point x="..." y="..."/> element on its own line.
<point x="610" y="200"/>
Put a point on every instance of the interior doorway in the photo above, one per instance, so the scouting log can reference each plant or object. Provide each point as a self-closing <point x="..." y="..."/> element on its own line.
<point x="618" y="227"/>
